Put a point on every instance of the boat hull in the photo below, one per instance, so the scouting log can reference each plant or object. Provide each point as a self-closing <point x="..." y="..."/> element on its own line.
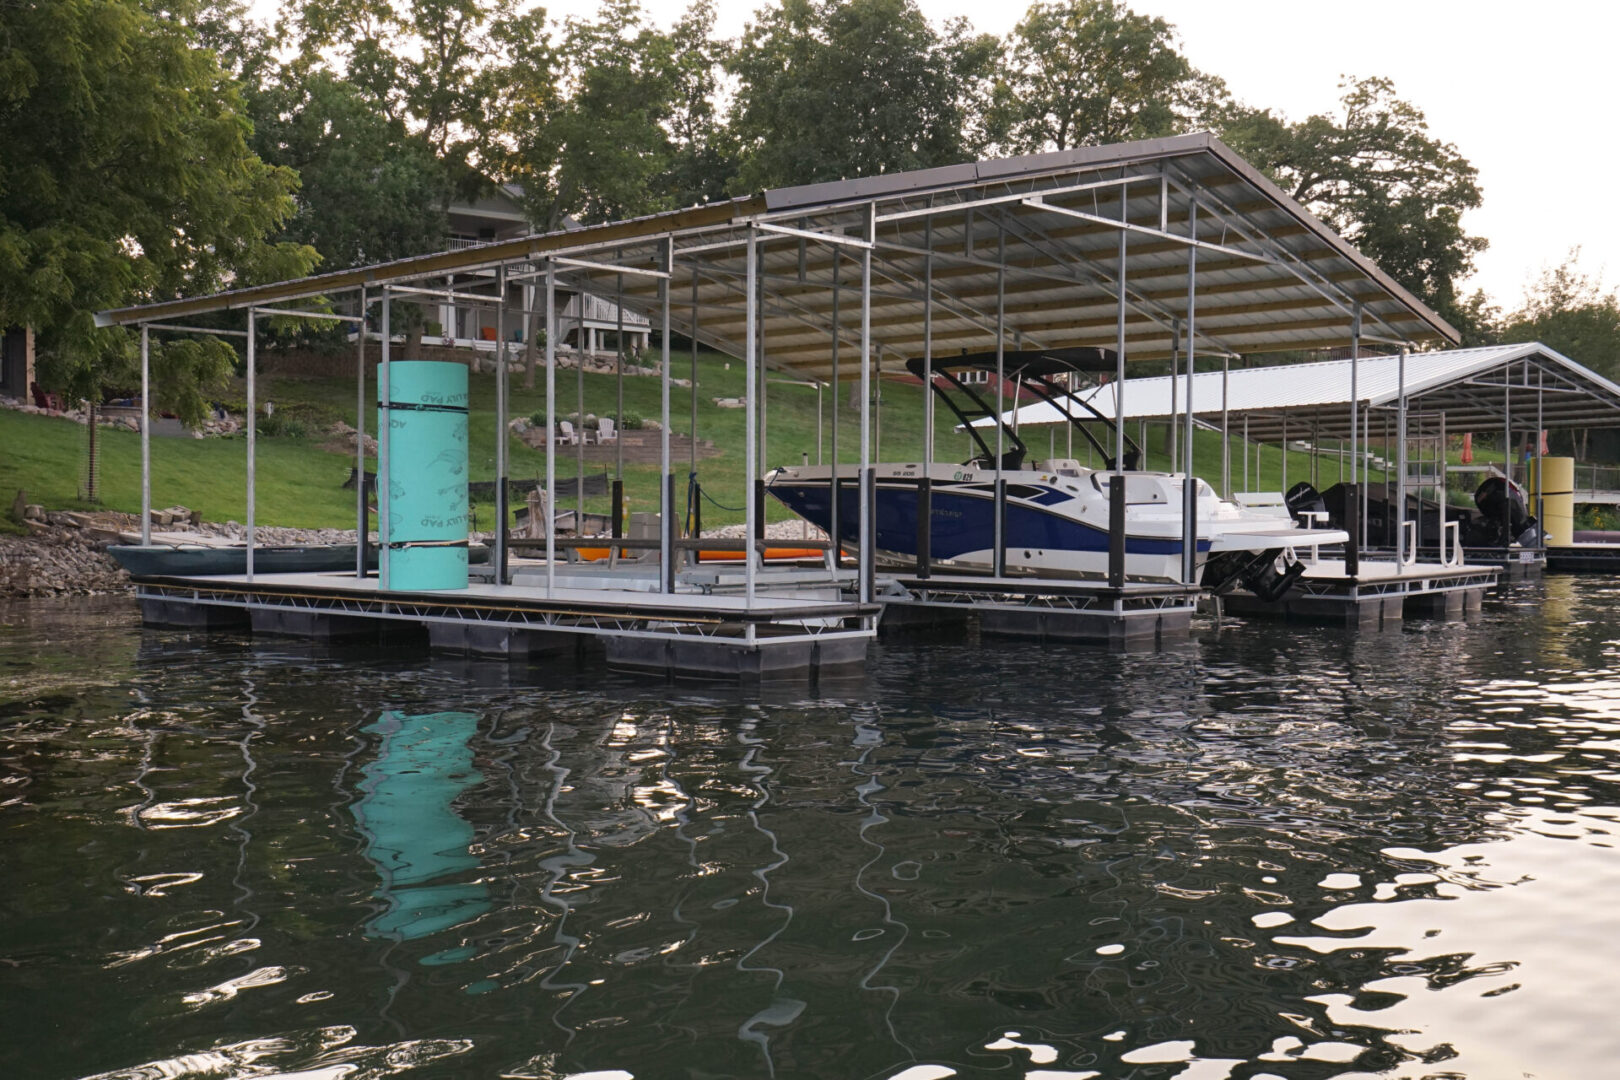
<point x="1039" y="538"/>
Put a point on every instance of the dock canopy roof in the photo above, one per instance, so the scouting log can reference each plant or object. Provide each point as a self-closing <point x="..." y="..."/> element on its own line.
<point x="1031" y="243"/>
<point x="1473" y="387"/>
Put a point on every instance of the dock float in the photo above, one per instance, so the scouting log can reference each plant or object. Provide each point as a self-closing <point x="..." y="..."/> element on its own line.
<point x="1378" y="596"/>
<point x="678" y="634"/>
<point x="1136" y="615"/>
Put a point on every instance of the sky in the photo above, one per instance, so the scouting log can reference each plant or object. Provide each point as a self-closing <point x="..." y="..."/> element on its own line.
<point x="1525" y="91"/>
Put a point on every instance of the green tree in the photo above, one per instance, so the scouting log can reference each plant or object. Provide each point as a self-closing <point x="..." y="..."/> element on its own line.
<point x="371" y="191"/>
<point x="594" y="144"/>
<point x="1093" y="71"/>
<point x="839" y="88"/>
<point x="128" y="178"/>
<point x="703" y="154"/>
<point x="1568" y="309"/>
<point x="1376" y="174"/>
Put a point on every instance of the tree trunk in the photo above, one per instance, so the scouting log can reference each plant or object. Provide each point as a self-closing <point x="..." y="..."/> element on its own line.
<point x="531" y="354"/>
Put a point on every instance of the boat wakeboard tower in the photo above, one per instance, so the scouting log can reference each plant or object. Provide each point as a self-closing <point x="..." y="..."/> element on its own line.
<point x="1055" y="512"/>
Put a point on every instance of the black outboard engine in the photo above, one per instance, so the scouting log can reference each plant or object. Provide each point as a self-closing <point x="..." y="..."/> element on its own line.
<point x="1302" y="498"/>
<point x="1503" y="516"/>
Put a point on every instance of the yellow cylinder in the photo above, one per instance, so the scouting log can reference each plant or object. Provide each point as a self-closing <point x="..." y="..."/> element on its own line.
<point x="1554" y="483"/>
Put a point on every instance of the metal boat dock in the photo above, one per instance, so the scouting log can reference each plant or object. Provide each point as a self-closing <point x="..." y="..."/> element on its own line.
<point x="681" y="633"/>
<point x="1171" y="250"/>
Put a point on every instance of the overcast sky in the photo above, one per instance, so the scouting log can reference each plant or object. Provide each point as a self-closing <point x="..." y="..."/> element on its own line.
<point x="1525" y="90"/>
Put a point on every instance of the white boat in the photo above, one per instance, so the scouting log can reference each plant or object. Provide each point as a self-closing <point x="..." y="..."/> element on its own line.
<point x="1056" y="513"/>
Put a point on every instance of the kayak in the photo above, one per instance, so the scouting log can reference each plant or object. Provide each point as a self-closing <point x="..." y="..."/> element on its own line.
<point x="200" y="560"/>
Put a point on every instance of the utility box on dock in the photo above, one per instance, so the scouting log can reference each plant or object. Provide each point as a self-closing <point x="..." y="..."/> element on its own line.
<point x="423" y="525"/>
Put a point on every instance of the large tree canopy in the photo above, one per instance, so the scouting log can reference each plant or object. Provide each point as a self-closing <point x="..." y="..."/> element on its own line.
<point x="837" y="88"/>
<point x="127" y="176"/>
<point x="157" y="150"/>
<point x="371" y="190"/>
<point x="1085" y="72"/>
<point x="1375" y="173"/>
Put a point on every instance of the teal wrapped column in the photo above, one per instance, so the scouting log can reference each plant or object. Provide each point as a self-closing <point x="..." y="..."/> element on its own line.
<point x="426" y="531"/>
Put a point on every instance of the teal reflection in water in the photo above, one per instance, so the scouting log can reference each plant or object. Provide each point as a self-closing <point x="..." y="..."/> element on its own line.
<point x="413" y="833"/>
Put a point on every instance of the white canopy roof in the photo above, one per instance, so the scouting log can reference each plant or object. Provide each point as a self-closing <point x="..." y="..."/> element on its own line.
<point x="1475" y="388"/>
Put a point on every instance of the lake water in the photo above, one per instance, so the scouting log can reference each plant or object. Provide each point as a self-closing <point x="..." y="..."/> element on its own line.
<point x="1273" y="852"/>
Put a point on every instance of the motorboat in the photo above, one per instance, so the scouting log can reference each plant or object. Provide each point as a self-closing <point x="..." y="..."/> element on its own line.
<point x="1056" y="512"/>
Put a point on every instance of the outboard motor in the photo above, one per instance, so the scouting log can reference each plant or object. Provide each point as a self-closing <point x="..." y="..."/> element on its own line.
<point x="1302" y="498"/>
<point x="1504" y="517"/>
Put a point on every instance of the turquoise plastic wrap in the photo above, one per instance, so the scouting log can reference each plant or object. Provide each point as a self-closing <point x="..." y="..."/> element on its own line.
<point x="419" y="844"/>
<point x="426" y="476"/>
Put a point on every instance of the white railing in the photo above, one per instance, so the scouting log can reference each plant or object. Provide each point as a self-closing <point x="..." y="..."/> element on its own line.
<point x="598" y="310"/>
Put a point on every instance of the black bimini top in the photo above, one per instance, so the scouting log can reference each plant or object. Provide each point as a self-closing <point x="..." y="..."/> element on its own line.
<point x="1036" y="370"/>
<point x="1024" y="363"/>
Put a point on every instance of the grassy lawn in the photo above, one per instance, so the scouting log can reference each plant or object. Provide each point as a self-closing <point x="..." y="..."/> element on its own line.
<point x="300" y="484"/>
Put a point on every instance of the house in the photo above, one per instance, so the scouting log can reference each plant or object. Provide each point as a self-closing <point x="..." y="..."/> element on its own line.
<point x="498" y="215"/>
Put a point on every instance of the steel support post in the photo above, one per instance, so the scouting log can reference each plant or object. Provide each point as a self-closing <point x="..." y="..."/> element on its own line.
<point x="362" y="526"/>
<point x="925" y="485"/>
<point x="548" y="511"/>
<point x="1246" y="485"/>
<point x="385" y="428"/>
<point x="579" y="419"/>
<point x="1175" y="395"/>
<point x="1541" y="476"/>
<point x="1400" y="461"/>
<point x="1189" y="488"/>
<point x="1226" y="431"/>
<point x="751" y="435"/>
<point x="928" y="342"/>
<point x="618" y="372"/>
<point x="666" y="509"/>
<point x="834" y="515"/>
<point x="1507" y="454"/>
<point x="999" y="555"/>
<point x="692" y="476"/>
<point x="1352" y="551"/>
<point x="1116" y="482"/>
<point x="868" y="552"/>
<point x="146" y="436"/>
<point x="1366" y="477"/>
<point x="252" y="428"/>
<point x="764" y="388"/>
<point x="501" y="433"/>
<point x="1285" y="451"/>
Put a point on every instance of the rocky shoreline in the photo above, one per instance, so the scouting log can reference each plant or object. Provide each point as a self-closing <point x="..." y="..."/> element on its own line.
<point x="58" y="561"/>
<point x="68" y="555"/>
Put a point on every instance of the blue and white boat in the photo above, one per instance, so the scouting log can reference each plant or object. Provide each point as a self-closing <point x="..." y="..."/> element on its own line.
<point x="1056" y="511"/>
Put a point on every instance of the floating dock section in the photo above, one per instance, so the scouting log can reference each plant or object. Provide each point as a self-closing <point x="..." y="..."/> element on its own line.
<point x="688" y="634"/>
<point x="1378" y="595"/>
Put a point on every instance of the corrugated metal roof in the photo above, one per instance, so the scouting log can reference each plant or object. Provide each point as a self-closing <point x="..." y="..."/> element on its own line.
<point x="1474" y="387"/>
<point x="1040" y="232"/>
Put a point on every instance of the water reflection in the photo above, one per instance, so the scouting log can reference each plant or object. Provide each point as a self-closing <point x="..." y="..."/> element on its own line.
<point x="413" y="834"/>
<point x="1296" y="853"/>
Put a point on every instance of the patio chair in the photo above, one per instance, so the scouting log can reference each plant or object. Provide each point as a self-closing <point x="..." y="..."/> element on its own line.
<point x="567" y="436"/>
<point x="605" y="432"/>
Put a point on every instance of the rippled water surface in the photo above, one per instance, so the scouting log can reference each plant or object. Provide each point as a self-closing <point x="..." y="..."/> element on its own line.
<point x="1274" y="852"/>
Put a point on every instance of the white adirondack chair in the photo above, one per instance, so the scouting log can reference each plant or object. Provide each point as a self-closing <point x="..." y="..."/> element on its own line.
<point x="567" y="436"/>
<point x="605" y="432"/>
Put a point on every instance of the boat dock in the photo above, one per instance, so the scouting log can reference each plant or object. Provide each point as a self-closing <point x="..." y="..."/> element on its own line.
<point x="694" y="634"/>
<point x="1378" y="595"/>
<point x="1173" y="251"/>
<point x="1134" y="615"/>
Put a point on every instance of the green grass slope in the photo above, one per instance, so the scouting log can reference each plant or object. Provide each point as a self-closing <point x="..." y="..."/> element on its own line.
<point x="300" y="485"/>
